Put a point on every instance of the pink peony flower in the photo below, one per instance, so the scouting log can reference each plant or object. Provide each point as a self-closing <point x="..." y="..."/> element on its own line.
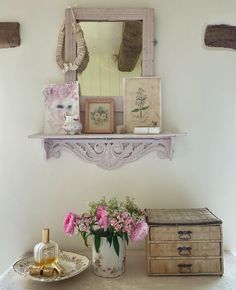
<point x="70" y="223"/>
<point x="139" y="231"/>
<point x="102" y="217"/>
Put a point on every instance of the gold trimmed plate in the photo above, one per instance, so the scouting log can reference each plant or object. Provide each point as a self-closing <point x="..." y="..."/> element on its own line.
<point x="73" y="263"/>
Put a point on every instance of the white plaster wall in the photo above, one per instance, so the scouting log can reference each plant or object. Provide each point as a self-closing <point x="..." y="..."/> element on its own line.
<point x="199" y="92"/>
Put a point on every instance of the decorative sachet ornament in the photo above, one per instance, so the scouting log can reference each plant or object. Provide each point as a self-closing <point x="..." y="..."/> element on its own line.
<point x="81" y="61"/>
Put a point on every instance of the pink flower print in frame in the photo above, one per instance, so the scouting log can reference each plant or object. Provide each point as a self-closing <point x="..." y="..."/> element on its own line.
<point x="60" y="99"/>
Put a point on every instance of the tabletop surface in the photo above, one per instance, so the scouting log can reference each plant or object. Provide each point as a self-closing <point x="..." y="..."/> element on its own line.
<point x="135" y="278"/>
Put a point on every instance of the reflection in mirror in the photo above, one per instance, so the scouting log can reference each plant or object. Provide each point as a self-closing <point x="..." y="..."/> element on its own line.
<point x="114" y="53"/>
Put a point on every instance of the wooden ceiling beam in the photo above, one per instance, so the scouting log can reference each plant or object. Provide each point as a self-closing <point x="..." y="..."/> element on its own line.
<point x="131" y="45"/>
<point x="9" y="34"/>
<point x="220" y="36"/>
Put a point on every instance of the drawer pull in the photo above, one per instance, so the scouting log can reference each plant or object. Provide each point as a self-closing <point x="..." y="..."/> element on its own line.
<point x="184" y="251"/>
<point x="185" y="268"/>
<point x="185" y="235"/>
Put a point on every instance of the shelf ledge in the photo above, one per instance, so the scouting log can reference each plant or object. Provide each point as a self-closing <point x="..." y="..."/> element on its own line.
<point x="109" y="151"/>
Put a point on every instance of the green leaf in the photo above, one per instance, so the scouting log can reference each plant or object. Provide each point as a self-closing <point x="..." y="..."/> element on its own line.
<point x="116" y="245"/>
<point x="84" y="236"/>
<point x="135" y="110"/>
<point x="97" y="241"/>
<point x="109" y="239"/>
<point x="145" y="108"/>
<point x="120" y="235"/>
<point x="86" y="239"/>
<point x="126" y="238"/>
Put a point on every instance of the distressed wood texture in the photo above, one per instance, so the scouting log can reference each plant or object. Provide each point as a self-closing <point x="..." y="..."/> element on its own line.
<point x="189" y="216"/>
<point x="9" y="34"/>
<point x="186" y="266"/>
<point x="185" y="249"/>
<point x="174" y="247"/>
<point x="131" y="45"/>
<point x="146" y="15"/>
<point x="220" y="36"/>
<point x="178" y="233"/>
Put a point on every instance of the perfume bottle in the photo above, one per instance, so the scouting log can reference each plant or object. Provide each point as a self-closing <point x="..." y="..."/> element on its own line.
<point x="46" y="252"/>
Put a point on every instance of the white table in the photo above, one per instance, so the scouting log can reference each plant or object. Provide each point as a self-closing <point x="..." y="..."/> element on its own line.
<point x="135" y="278"/>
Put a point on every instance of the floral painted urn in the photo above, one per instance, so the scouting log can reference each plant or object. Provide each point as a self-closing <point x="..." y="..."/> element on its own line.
<point x="111" y="224"/>
<point x="106" y="262"/>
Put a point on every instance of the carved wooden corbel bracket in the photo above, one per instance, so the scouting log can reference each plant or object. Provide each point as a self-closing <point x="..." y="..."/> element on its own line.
<point x="109" y="154"/>
<point x="109" y="151"/>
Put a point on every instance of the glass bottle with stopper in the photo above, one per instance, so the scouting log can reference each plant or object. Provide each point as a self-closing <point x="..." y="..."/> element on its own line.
<point x="46" y="252"/>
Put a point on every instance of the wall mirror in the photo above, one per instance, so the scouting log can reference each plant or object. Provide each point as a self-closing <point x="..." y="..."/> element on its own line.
<point x="104" y="33"/>
<point x="111" y="58"/>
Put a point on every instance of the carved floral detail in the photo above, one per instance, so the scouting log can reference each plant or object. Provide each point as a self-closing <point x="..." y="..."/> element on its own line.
<point x="109" y="153"/>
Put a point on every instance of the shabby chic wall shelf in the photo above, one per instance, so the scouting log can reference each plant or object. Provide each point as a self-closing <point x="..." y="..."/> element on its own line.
<point x="109" y="151"/>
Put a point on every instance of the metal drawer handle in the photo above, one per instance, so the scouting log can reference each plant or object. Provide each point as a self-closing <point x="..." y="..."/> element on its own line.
<point x="184" y="251"/>
<point x="185" y="268"/>
<point x="185" y="235"/>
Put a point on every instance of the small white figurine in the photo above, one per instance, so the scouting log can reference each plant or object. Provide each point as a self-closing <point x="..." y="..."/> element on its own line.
<point x="72" y="124"/>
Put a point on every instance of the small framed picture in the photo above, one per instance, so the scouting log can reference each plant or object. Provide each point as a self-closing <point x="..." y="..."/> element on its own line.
<point x="99" y="115"/>
<point x="142" y="102"/>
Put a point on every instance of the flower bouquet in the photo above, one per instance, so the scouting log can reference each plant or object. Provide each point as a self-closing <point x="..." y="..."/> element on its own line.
<point x="111" y="222"/>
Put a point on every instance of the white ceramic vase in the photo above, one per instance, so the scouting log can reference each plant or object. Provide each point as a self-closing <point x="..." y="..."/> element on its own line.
<point x="106" y="263"/>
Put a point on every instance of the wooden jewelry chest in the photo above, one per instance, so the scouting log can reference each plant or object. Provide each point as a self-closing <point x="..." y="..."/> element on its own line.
<point x="184" y="242"/>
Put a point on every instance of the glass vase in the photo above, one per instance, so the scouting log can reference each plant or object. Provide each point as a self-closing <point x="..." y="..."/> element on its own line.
<point x="106" y="262"/>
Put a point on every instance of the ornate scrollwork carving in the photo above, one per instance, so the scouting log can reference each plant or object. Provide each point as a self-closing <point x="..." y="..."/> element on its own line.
<point x="109" y="153"/>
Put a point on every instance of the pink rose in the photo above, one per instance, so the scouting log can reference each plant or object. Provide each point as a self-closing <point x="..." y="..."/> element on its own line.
<point x="102" y="217"/>
<point x="139" y="231"/>
<point x="70" y="223"/>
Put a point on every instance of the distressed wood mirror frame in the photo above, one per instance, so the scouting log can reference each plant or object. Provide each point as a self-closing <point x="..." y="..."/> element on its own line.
<point x="146" y="15"/>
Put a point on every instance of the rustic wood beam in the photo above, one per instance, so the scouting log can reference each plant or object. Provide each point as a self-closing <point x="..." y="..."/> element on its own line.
<point x="9" y="34"/>
<point x="220" y="36"/>
<point x="131" y="45"/>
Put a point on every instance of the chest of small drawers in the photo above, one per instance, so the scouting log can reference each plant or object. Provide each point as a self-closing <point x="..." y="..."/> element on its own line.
<point x="184" y="242"/>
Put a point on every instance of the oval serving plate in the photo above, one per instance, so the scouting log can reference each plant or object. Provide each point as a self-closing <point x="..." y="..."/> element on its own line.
<point x="73" y="263"/>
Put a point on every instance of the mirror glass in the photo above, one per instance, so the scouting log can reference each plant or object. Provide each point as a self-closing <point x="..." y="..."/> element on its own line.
<point x="109" y="55"/>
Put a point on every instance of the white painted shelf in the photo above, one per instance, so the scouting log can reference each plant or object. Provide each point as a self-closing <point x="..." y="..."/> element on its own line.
<point x="109" y="151"/>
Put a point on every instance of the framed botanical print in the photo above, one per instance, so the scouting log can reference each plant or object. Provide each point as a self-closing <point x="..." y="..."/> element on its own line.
<point x="142" y="102"/>
<point x="99" y="115"/>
